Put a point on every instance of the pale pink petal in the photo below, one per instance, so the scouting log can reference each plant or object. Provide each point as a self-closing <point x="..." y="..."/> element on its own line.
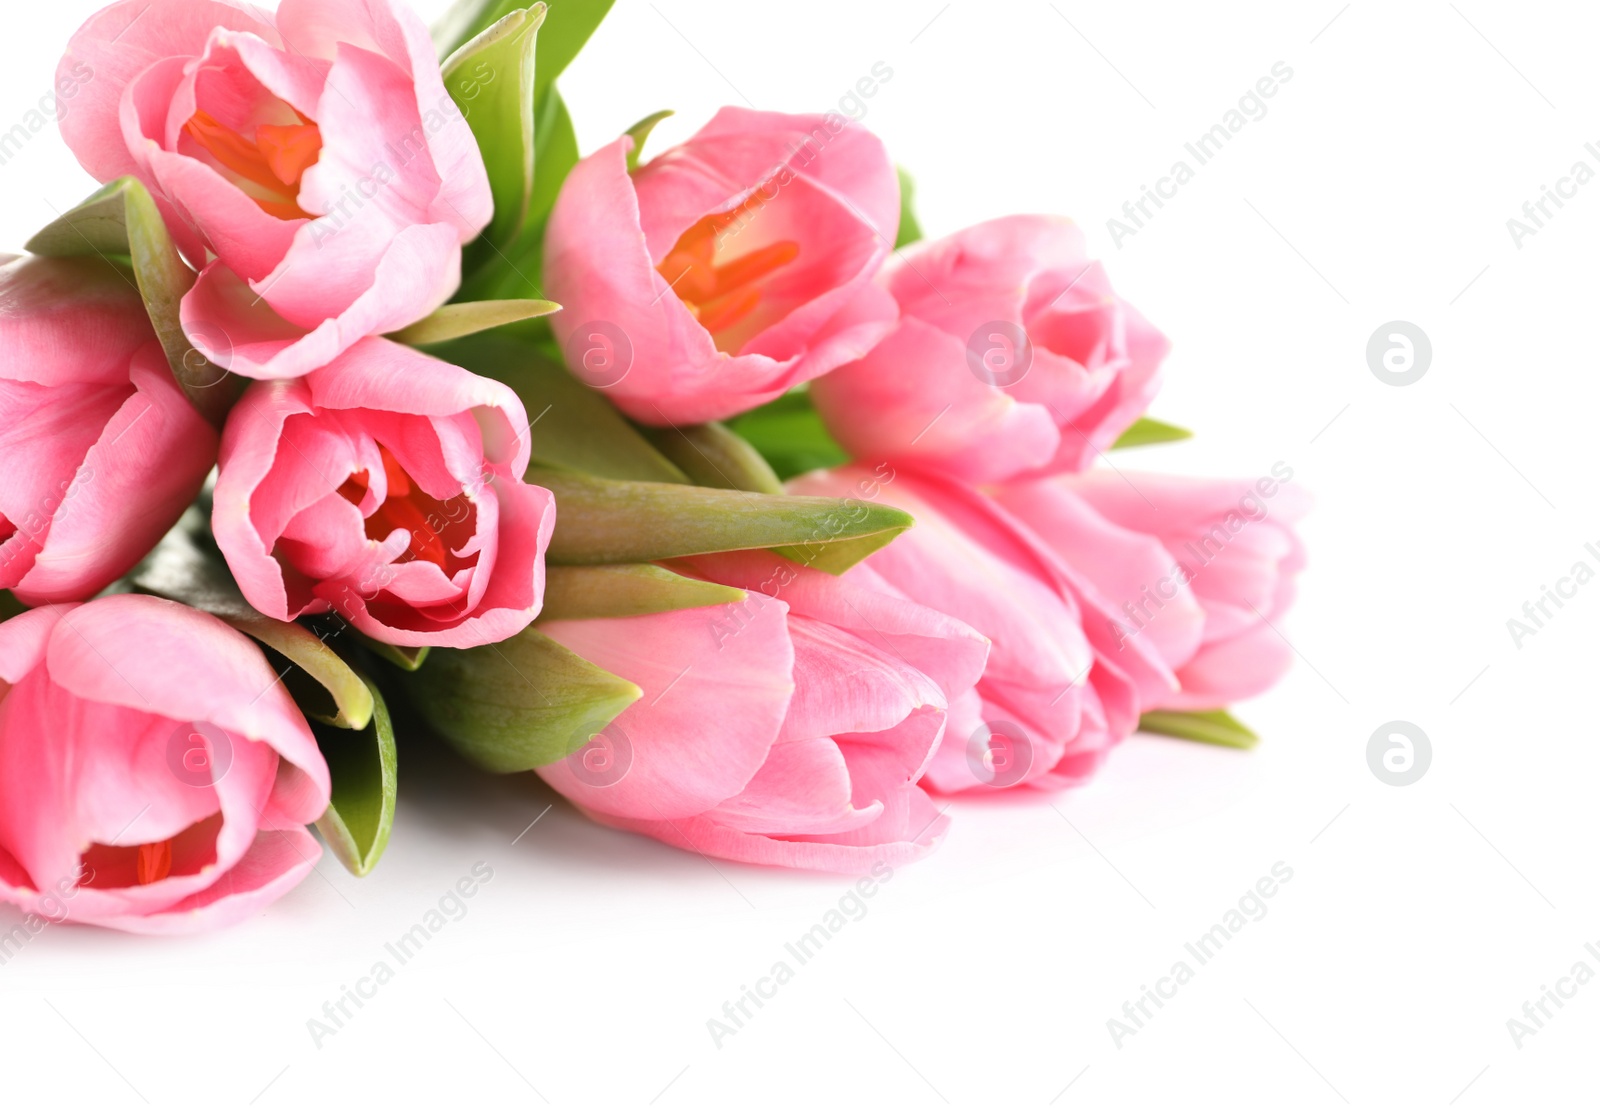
<point x="1148" y="592"/>
<point x="685" y="759"/>
<point x="392" y="29"/>
<point x="94" y="658"/>
<point x="276" y="863"/>
<point x="116" y="44"/>
<point x="134" y="483"/>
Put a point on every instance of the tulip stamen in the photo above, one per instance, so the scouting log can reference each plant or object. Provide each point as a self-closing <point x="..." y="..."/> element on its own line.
<point x="725" y="311"/>
<point x="289" y="150"/>
<point x="721" y="296"/>
<point x="747" y="269"/>
<point x="154" y="862"/>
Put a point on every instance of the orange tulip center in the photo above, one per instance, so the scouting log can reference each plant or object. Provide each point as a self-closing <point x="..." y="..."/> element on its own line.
<point x="267" y="165"/>
<point x="429" y="520"/>
<point x="722" y="295"/>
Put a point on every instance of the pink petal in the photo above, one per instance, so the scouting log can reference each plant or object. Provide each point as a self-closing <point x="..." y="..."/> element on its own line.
<point x="865" y="603"/>
<point x="69" y="320"/>
<point x="804" y="786"/>
<point x="95" y="658"/>
<point x="1148" y="593"/>
<point x="392" y="29"/>
<point x="915" y="398"/>
<point x="276" y="863"/>
<point x="135" y="482"/>
<point x="684" y="760"/>
<point x="112" y="47"/>
<point x="244" y="238"/>
<point x="704" y="835"/>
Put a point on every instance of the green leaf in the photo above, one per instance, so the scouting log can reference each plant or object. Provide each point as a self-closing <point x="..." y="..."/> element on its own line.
<point x="120" y="221"/>
<point x="515" y="272"/>
<point x="597" y="592"/>
<point x="910" y="229"/>
<point x="322" y="683"/>
<point x="838" y="556"/>
<point x="10" y="606"/>
<point x="1146" y="432"/>
<point x="790" y="435"/>
<point x="363" y="766"/>
<point x="557" y="144"/>
<point x="522" y="703"/>
<point x="572" y="427"/>
<point x="97" y="226"/>
<point x="601" y="521"/>
<point x="640" y="132"/>
<point x="408" y="659"/>
<point x="714" y="456"/>
<point x="570" y="25"/>
<point x="491" y="79"/>
<point x="1217" y="727"/>
<point x="454" y="321"/>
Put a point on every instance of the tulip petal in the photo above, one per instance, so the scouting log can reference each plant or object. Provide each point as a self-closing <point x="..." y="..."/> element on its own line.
<point x="148" y="464"/>
<point x="684" y="759"/>
<point x="390" y="28"/>
<point x="112" y="47"/>
<point x="276" y="862"/>
<point x="1134" y="571"/>
<point x="97" y="660"/>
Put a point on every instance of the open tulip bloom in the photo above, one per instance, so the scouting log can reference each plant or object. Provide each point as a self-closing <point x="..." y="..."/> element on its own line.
<point x="359" y="409"/>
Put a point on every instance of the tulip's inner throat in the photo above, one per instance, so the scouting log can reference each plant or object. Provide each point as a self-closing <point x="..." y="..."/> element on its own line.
<point x="433" y="523"/>
<point x="108" y="866"/>
<point x="722" y="296"/>
<point x="267" y="166"/>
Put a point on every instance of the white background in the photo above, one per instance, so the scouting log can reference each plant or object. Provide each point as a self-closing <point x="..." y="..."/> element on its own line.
<point x="1419" y="919"/>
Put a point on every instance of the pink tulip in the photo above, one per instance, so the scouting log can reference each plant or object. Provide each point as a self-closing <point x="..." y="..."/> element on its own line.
<point x="102" y="450"/>
<point x="387" y="487"/>
<point x="1012" y="357"/>
<point x="790" y="729"/>
<point x="1214" y="573"/>
<point x="315" y="154"/>
<point x="154" y="774"/>
<point x="1057" y="694"/>
<point x="726" y="270"/>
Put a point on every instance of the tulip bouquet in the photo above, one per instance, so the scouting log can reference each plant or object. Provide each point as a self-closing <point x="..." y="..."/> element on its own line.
<point x="356" y="403"/>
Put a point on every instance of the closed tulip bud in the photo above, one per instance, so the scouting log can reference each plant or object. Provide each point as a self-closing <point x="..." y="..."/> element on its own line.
<point x="103" y="451"/>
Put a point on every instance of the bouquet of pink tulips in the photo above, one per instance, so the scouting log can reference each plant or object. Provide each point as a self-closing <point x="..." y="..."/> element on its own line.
<point x="358" y="409"/>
